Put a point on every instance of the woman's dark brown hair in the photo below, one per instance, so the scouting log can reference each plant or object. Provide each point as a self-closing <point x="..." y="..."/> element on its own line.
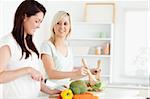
<point x="28" y="8"/>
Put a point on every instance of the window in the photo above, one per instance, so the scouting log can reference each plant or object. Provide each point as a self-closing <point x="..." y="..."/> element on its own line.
<point x="131" y="51"/>
<point x="136" y="50"/>
<point x="136" y="44"/>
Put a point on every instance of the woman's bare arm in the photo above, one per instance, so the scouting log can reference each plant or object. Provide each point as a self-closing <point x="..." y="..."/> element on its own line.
<point x="9" y="75"/>
<point x="54" y="74"/>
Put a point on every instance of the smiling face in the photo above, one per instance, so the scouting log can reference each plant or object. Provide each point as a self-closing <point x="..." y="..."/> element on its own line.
<point x="62" y="27"/>
<point x="32" y="23"/>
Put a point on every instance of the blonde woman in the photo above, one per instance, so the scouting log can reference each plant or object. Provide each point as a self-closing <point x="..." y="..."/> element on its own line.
<point x="56" y="54"/>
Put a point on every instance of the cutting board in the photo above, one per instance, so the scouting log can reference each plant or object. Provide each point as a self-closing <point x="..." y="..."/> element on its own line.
<point x="54" y="96"/>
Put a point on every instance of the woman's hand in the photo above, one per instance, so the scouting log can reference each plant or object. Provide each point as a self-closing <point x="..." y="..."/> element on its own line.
<point x="81" y="71"/>
<point x="47" y="90"/>
<point x="35" y="75"/>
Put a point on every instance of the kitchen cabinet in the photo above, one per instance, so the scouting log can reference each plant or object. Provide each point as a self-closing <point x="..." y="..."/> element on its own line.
<point x="93" y="41"/>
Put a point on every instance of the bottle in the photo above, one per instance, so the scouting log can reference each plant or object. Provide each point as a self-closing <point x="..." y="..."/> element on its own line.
<point x="107" y="49"/>
<point x="98" y="50"/>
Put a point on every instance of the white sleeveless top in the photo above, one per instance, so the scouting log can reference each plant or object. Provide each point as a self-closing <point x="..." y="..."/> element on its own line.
<point x="24" y="87"/>
<point x="62" y="63"/>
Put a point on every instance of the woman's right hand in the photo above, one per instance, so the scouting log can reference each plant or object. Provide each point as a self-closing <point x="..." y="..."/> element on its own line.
<point x="81" y="71"/>
<point x="35" y="75"/>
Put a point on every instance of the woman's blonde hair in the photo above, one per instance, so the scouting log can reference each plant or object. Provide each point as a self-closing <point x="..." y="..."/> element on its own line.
<point x="58" y="16"/>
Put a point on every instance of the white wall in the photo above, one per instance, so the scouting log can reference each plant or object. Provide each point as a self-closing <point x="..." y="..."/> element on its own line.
<point x="1" y="19"/>
<point x="0" y="34"/>
<point x="1" y="87"/>
<point x="7" y="15"/>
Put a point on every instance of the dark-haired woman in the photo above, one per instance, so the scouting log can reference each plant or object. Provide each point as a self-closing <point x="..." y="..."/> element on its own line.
<point x="19" y="70"/>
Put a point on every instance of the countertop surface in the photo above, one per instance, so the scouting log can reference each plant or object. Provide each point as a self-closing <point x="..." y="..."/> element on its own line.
<point x="102" y="97"/>
<point x="111" y="93"/>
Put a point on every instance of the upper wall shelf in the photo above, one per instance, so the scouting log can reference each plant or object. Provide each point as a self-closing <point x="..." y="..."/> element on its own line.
<point x="91" y="39"/>
<point x="91" y="22"/>
<point x="94" y="56"/>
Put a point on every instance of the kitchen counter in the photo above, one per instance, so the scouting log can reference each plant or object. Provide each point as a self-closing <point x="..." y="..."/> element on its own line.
<point x="113" y="93"/>
<point x="104" y="97"/>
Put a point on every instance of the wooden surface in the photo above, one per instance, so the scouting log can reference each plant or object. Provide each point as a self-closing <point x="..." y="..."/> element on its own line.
<point x="54" y="96"/>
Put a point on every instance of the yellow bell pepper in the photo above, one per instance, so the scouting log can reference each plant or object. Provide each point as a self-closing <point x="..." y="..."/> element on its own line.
<point x="66" y="94"/>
